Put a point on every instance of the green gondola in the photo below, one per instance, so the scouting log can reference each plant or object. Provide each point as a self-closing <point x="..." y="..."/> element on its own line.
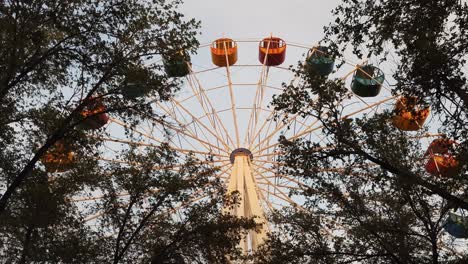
<point x="367" y="81"/>
<point x="134" y="90"/>
<point x="177" y="65"/>
<point x="319" y="62"/>
<point x="136" y="83"/>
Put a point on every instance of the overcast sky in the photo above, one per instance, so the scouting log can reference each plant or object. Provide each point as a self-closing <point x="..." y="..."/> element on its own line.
<point x="293" y="20"/>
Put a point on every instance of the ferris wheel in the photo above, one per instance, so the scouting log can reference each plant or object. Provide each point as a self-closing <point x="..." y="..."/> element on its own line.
<point x="222" y="115"/>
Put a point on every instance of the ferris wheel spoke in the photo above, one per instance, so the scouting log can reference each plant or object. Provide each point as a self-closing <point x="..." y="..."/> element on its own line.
<point x="170" y="167"/>
<point x="190" y="133"/>
<point x="142" y="144"/>
<point x="334" y="169"/>
<point x="265" y="200"/>
<point x="267" y="141"/>
<point x="270" y="136"/>
<point x="295" y="205"/>
<point x="198" y="95"/>
<point x="153" y="191"/>
<point x="198" y="121"/>
<point x="118" y="122"/>
<point x="187" y="203"/>
<point x="157" y="124"/>
<point x="261" y="150"/>
<point x="185" y="99"/>
<point x="274" y="186"/>
<point x="270" y="162"/>
<point x="270" y="123"/>
<point x="267" y="120"/>
<point x="270" y="193"/>
<point x="233" y="100"/>
<point x="269" y="155"/>
<point x="191" y="201"/>
<point x="205" y="91"/>
<point x="192" y="197"/>
<point x="272" y="204"/>
<point x="122" y="124"/>
<point x="281" y="197"/>
<point x="202" y="142"/>
<point x="94" y="198"/>
<point x="258" y="101"/>
<point x="117" y="161"/>
<point x="276" y="130"/>
<point x="286" y="188"/>
<point x="299" y="183"/>
<point x="303" y="124"/>
<point x="311" y="129"/>
<point x="280" y="185"/>
<point x="102" y="213"/>
<point x="271" y="114"/>
<point x="227" y="168"/>
<point x="185" y="124"/>
<point x="201" y="94"/>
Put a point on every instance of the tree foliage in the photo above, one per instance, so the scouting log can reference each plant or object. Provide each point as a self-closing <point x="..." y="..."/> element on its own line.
<point x="368" y="196"/>
<point x="55" y="58"/>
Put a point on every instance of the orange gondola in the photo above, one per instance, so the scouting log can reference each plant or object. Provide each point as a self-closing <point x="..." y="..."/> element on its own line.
<point x="224" y="52"/>
<point x="272" y="51"/>
<point x="409" y="116"/>
<point x="59" y="158"/>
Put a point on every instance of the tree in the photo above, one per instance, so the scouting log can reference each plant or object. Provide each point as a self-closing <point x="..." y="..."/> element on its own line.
<point x="367" y="183"/>
<point x="78" y="51"/>
<point x="58" y="60"/>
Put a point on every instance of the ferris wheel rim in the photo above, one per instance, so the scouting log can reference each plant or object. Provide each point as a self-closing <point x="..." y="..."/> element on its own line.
<point x="259" y="151"/>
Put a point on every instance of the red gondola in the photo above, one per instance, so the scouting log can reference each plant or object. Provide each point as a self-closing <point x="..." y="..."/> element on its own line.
<point x="272" y="51"/>
<point x="93" y="114"/>
<point x="441" y="162"/>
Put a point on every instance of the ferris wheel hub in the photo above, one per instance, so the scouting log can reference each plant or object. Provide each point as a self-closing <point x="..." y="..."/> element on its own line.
<point x="240" y="152"/>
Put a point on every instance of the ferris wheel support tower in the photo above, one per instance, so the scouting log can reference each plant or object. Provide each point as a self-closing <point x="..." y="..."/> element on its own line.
<point x="242" y="182"/>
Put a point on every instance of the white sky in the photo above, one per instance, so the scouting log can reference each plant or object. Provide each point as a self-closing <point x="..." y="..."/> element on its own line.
<point x="294" y="20"/>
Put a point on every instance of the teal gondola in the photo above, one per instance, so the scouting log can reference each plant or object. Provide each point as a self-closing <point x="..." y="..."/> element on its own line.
<point x="319" y="62"/>
<point x="367" y="81"/>
<point x="457" y="226"/>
